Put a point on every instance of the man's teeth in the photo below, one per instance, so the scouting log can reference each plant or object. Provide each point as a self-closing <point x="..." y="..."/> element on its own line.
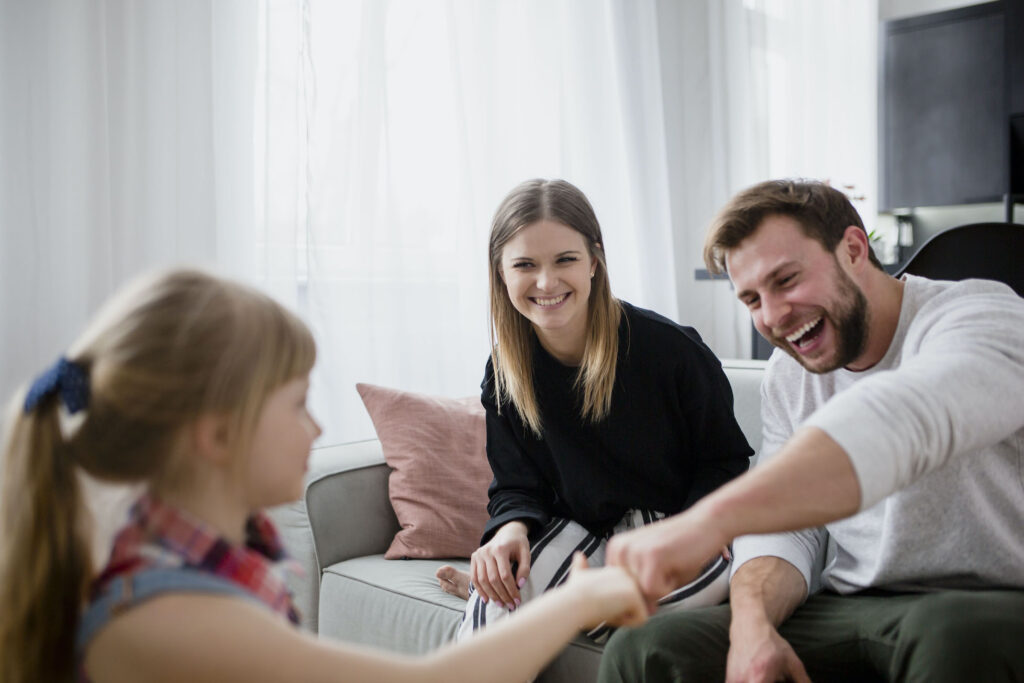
<point x="802" y="331"/>
<point x="551" y="302"/>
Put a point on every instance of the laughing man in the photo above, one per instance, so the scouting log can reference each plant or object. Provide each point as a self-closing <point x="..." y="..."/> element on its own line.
<point x="882" y="537"/>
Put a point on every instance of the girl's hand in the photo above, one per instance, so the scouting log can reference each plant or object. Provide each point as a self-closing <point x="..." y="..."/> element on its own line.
<point x="610" y="595"/>
<point x="490" y="566"/>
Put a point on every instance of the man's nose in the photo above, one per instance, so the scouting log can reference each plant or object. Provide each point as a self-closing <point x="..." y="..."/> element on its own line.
<point x="774" y="311"/>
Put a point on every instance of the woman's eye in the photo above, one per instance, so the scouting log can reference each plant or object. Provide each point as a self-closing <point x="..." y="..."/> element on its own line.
<point x="522" y="264"/>
<point x="568" y="259"/>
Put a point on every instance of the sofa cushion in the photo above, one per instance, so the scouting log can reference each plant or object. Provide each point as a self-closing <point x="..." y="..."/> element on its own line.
<point x="438" y="488"/>
<point x="401" y="608"/>
<point x="398" y="602"/>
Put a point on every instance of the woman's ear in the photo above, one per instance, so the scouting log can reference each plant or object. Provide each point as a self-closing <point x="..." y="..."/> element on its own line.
<point x="211" y="437"/>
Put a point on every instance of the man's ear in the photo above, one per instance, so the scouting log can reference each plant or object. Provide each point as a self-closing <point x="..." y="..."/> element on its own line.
<point x="211" y="437"/>
<point x="855" y="246"/>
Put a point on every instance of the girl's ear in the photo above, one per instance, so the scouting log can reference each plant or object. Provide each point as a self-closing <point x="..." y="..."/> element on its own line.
<point x="211" y="437"/>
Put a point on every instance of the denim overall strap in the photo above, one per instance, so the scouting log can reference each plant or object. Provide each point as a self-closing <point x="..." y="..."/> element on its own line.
<point x="124" y="592"/>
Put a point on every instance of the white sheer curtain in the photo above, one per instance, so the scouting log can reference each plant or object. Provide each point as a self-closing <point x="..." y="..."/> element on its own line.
<point x="393" y="129"/>
<point x="758" y="89"/>
<point x="348" y="155"/>
<point x="822" y="108"/>
<point x="125" y="143"/>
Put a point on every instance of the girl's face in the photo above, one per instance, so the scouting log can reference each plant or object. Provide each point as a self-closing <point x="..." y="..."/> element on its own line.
<point x="284" y="434"/>
<point x="547" y="269"/>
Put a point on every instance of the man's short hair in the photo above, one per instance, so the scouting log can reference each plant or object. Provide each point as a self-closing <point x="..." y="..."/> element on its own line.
<point x="822" y="211"/>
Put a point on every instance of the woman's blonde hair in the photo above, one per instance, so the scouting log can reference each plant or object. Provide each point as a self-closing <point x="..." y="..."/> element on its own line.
<point x="511" y="333"/>
<point x="172" y="347"/>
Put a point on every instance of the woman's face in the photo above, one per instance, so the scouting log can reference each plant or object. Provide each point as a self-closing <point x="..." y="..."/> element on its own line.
<point x="547" y="270"/>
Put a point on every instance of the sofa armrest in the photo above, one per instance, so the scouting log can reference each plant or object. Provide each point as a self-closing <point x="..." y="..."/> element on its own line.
<point x="350" y="514"/>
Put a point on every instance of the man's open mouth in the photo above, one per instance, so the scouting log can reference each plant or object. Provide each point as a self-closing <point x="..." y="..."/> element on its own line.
<point x="806" y="333"/>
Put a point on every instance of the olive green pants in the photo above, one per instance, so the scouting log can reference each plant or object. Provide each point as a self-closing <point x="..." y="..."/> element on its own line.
<point x="934" y="637"/>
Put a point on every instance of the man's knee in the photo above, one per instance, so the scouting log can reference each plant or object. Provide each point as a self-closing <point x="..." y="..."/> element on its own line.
<point x="678" y="646"/>
<point x="962" y="635"/>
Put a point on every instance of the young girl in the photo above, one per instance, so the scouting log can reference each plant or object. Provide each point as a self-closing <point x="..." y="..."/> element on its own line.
<point x="197" y="387"/>
<point x="600" y="416"/>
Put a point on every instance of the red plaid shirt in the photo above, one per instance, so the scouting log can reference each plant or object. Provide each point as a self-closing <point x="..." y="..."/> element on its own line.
<point x="161" y="536"/>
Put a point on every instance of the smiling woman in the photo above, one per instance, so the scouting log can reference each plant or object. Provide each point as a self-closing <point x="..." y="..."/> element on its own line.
<point x="546" y="243"/>
<point x="547" y="269"/>
<point x="600" y="416"/>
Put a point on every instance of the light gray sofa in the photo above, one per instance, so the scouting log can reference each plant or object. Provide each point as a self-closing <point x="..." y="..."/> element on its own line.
<point x="352" y="593"/>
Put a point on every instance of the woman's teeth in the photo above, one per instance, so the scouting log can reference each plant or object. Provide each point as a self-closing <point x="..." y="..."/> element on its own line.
<point x="550" y="302"/>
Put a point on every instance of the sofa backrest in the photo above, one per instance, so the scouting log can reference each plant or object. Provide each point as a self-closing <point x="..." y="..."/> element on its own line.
<point x="745" y="377"/>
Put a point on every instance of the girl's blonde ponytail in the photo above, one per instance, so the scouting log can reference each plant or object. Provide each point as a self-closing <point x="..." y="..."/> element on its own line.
<point x="45" y="563"/>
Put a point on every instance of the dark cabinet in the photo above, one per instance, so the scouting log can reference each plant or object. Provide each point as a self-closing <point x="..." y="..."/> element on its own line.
<point x="950" y="83"/>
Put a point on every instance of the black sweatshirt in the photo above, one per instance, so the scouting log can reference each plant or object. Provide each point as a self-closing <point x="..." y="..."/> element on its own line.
<point x="669" y="439"/>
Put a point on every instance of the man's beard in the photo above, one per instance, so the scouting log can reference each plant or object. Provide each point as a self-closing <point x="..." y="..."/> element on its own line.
<point x="848" y="315"/>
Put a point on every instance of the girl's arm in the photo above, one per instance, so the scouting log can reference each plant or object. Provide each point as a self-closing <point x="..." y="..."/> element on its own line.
<point x="200" y="638"/>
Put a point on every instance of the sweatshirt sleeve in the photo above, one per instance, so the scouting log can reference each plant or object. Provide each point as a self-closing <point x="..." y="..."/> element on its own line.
<point x="518" y="490"/>
<point x="958" y="389"/>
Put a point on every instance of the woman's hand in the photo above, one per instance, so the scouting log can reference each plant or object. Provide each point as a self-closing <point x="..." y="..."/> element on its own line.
<point x="609" y="594"/>
<point x="490" y="566"/>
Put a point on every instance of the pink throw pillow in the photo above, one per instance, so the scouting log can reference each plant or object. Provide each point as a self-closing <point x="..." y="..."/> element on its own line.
<point x="438" y="488"/>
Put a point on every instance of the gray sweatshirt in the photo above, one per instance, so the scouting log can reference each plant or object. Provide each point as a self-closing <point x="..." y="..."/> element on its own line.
<point x="935" y="433"/>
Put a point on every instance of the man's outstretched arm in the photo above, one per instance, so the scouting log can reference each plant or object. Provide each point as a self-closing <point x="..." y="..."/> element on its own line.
<point x="810" y="481"/>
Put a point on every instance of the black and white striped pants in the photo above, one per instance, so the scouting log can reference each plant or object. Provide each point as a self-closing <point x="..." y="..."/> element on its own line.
<point x="551" y="551"/>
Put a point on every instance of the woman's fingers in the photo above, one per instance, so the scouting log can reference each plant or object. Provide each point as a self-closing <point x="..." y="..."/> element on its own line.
<point x="499" y="571"/>
<point x="487" y="576"/>
<point x="477" y="576"/>
<point x="524" y="563"/>
<point x="491" y="566"/>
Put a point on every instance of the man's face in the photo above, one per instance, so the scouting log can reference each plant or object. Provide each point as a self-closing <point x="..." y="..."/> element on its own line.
<point x="798" y="295"/>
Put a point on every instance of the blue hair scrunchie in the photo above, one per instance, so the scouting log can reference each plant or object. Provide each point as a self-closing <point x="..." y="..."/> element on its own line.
<point x="65" y="377"/>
